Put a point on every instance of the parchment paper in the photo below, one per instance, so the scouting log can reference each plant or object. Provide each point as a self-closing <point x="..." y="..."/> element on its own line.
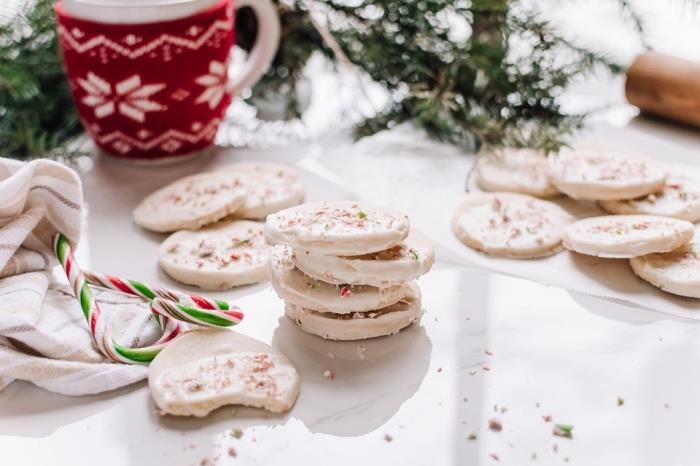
<point x="403" y="169"/>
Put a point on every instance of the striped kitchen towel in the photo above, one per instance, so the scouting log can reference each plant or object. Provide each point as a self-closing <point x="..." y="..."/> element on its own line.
<point x="44" y="338"/>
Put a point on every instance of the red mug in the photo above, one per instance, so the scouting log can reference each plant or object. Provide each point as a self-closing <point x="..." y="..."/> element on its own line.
<point x="150" y="80"/>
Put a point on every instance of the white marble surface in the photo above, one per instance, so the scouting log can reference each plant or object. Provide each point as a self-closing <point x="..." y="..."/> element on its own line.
<point x="487" y="342"/>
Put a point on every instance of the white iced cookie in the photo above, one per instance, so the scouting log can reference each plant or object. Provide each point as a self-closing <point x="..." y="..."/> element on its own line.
<point x="407" y="261"/>
<point x="343" y="228"/>
<point x="218" y="257"/>
<point x="676" y="272"/>
<point x="190" y="203"/>
<point x="271" y="187"/>
<point x="292" y="285"/>
<point x="510" y="225"/>
<point x="514" y="170"/>
<point x="205" y="369"/>
<point x="625" y="236"/>
<point x="680" y="198"/>
<point x="359" y="325"/>
<point x="603" y="174"/>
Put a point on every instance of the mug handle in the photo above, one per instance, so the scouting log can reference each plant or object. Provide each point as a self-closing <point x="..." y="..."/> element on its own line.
<point x="264" y="49"/>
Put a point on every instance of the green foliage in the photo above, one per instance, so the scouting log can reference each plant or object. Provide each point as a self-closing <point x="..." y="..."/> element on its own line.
<point x="37" y="116"/>
<point x="498" y="85"/>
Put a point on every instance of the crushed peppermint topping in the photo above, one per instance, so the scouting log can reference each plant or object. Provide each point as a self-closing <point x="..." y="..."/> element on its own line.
<point x="337" y="220"/>
<point x="220" y="249"/>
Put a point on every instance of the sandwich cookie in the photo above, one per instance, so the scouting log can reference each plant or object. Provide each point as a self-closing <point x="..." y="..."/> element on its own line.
<point x="292" y="285"/>
<point x="218" y="257"/>
<point x="407" y="261"/>
<point x="205" y="369"/>
<point x="343" y="228"/>
<point x="603" y="174"/>
<point x="510" y="225"/>
<point x="359" y="325"/>
<point x="514" y="170"/>
<point x="625" y="236"/>
<point x="190" y="203"/>
<point x="680" y="198"/>
<point x="271" y="187"/>
<point x="676" y="272"/>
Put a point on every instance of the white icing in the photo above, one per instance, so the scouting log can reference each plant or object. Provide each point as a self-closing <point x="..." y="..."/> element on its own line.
<point x="270" y="187"/>
<point x="514" y="170"/>
<point x="680" y="198"/>
<point x="190" y="202"/>
<point x="676" y="272"/>
<point x="407" y="261"/>
<point x="221" y="256"/>
<point x="358" y="326"/>
<point x="512" y="225"/>
<point x="337" y="228"/>
<point x="292" y="285"/>
<point x="597" y="173"/>
<point x="205" y="369"/>
<point x="625" y="236"/>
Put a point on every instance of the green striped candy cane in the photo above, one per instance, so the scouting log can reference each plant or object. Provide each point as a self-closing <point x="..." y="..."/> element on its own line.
<point x="169" y="308"/>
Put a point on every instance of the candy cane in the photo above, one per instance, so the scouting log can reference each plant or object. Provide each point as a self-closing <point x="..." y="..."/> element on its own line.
<point x="168" y="306"/>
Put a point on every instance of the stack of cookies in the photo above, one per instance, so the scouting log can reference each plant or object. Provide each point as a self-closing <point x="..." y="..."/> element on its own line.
<point x="347" y="270"/>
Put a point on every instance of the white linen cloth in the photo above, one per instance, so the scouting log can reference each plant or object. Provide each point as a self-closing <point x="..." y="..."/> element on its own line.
<point x="44" y="338"/>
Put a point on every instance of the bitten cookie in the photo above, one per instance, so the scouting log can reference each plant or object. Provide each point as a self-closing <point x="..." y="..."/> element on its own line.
<point x="205" y="369"/>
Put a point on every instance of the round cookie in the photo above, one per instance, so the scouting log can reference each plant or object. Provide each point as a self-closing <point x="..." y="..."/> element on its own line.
<point x="359" y="325"/>
<point x="190" y="203"/>
<point x="407" y="261"/>
<point x="625" y="236"/>
<point x="680" y="198"/>
<point x="604" y="174"/>
<point x="271" y="187"/>
<point x="218" y="257"/>
<point x="510" y="225"/>
<point x="676" y="272"/>
<point x="344" y="228"/>
<point x="515" y="170"/>
<point x="293" y="286"/>
<point x="205" y="369"/>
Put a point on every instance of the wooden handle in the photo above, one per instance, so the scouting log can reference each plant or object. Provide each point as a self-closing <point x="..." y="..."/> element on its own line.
<point x="665" y="86"/>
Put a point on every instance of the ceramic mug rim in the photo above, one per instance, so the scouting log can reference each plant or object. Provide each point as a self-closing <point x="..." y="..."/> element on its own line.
<point x="157" y="23"/>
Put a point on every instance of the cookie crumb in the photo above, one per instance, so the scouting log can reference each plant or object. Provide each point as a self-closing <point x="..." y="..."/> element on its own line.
<point x="232" y="452"/>
<point x="236" y="433"/>
<point x="547" y="418"/>
<point x="495" y="424"/>
<point x="471" y="436"/>
<point x="388" y="438"/>
<point x="328" y="374"/>
<point x="620" y="401"/>
<point x="495" y="456"/>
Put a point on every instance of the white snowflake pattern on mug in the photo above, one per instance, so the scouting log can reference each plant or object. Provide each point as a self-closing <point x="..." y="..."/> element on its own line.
<point x="215" y="84"/>
<point x="130" y="98"/>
